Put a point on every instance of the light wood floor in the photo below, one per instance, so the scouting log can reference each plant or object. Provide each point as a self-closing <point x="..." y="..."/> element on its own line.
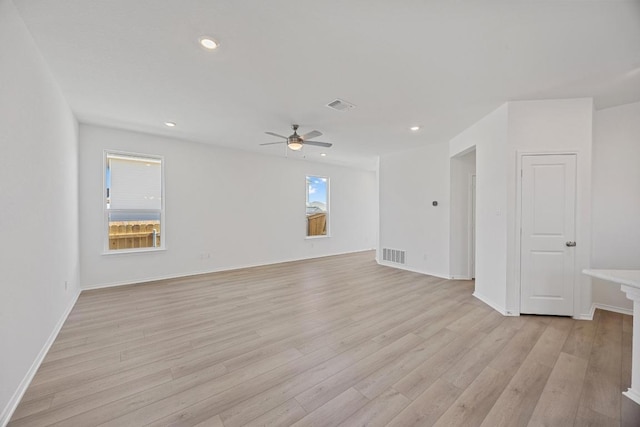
<point x="337" y="340"/>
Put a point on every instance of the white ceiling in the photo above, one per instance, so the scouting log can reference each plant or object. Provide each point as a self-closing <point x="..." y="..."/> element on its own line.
<point x="440" y="64"/>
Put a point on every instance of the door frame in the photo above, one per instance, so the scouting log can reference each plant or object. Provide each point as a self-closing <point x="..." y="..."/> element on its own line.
<point x="471" y="226"/>
<point x="518" y="225"/>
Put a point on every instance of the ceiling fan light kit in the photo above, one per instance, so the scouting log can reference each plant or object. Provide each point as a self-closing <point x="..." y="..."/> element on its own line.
<point x="294" y="145"/>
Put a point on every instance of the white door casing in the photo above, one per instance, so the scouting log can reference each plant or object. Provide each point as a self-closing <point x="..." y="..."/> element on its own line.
<point x="472" y="232"/>
<point x="548" y="217"/>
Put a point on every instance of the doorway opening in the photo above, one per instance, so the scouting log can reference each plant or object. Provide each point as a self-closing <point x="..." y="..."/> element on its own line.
<point x="462" y="215"/>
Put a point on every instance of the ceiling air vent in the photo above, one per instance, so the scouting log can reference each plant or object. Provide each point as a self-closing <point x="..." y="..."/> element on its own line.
<point x="340" y="105"/>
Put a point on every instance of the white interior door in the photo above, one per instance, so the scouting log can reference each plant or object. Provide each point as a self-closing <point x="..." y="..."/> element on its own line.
<point x="547" y="240"/>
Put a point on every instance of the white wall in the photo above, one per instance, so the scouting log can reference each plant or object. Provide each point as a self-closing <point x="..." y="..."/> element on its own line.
<point x="462" y="168"/>
<point x="545" y="127"/>
<point x="489" y="136"/>
<point x="241" y="208"/>
<point x="616" y="198"/>
<point x="500" y="138"/>
<point x="38" y="210"/>
<point x="409" y="182"/>
<point x="406" y="221"/>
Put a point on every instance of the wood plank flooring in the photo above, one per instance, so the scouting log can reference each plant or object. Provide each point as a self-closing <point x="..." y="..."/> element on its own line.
<point x="332" y="341"/>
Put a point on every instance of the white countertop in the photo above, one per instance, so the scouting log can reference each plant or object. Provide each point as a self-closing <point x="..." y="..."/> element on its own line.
<point x="622" y="277"/>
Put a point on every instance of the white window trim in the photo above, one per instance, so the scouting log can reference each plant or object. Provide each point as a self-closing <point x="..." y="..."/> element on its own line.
<point x="306" y="198"/>
<point x="105" y="226"/>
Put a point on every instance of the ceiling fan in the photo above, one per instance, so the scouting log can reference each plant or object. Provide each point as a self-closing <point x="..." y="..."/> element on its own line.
<point x="295" y="141"/>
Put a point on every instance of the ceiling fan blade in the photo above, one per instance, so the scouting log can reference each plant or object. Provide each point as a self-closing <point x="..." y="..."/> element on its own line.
<point x="318" y="143"/>
<point x="271" y="143"/>
<point x="275" y="134"/>
<point x="311" y="135"/>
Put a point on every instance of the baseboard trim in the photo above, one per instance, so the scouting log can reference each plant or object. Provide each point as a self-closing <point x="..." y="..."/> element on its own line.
<point x="493" y="305"/>
<point x="208" y="271"/>
<point x="633" y="395"/>
<point x="11" y="407"/>
<point x="414" y="270"/>
<point x="586" y="316"/>
<point x="613" y="308"/>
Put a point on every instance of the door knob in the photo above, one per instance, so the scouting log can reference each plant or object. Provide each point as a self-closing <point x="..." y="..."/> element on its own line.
<point x="570" y="244"/>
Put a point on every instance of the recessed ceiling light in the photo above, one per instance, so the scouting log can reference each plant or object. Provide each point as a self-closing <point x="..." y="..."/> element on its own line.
<point x="170" y="124"/>
<point x="323" y="154"/>
<point x="415" y="128"/>
<point x="208" y="43"/>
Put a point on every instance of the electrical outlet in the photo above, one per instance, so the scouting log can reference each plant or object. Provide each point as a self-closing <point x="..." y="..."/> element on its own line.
<point x="66" y="285"/>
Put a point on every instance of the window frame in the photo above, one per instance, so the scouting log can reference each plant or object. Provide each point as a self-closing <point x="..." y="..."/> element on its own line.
<point x="105" y="210"/>
<point x="328" y="211"/>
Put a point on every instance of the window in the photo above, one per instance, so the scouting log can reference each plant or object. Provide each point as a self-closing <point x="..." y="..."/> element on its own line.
<point x="134" y="207"/>
<point x="317" y="205"/>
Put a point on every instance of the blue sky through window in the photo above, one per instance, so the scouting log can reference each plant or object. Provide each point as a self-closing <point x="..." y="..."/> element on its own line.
<point x="317" y="189"/>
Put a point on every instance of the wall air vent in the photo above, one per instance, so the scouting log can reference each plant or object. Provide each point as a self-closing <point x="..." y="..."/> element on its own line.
<point x="340" y="105"/>
<point x="393" y="255"/>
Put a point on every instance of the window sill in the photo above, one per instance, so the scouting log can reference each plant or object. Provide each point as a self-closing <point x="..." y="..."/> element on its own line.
<point x="317" y="237"/>
<point x="134" y="251"/>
